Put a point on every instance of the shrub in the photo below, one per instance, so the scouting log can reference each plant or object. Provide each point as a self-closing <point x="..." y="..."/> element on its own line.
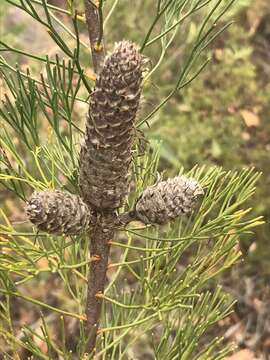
<point x="155" y="296"/>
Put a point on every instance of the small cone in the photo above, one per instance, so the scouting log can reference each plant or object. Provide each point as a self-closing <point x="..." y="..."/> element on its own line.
<point x="165" y="201"/>
<point x="58" y="212"/>
<point x="106" y="153"/>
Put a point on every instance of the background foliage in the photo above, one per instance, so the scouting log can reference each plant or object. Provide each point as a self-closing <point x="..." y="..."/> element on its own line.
<point x="223" y="118"/>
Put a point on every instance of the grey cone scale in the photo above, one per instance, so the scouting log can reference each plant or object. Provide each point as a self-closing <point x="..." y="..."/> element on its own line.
<point x="106" y="153"/>
<point x="167" y="200"/>
<point x="58" y="212"/>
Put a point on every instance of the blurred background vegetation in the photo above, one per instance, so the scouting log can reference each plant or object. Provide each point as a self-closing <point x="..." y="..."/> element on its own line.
<point x="222" y="118"/>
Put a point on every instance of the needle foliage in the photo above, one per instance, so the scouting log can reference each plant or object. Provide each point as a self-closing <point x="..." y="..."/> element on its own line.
<point x="159" y="299"/>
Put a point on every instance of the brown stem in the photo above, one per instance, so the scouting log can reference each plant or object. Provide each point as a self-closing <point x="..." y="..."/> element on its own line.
<point x="95" y="34"/>
<point x="101" y="232"/>
<point x="101" y="229"/>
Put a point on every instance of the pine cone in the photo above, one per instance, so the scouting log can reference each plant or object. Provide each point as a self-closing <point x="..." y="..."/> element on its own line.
<point x="106" y="153"/>
<point x="167" y="200"/>
<point x="58" y="212"/>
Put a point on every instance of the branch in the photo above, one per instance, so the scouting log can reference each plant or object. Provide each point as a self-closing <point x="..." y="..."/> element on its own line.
<point x="102" y="229"/>
<point x="94" y="21"/>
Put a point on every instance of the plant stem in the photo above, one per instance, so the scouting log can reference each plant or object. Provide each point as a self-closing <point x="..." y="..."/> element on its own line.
<point x="102" y="225"/>
<point x="101" y="232"/>
<point x="95" y="30"/>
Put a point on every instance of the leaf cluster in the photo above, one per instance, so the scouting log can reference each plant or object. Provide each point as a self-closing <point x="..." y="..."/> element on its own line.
<point x="160" y="277"/>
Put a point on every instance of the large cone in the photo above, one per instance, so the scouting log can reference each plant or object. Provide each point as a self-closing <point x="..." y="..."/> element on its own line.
<point x="165" y="201"/>
<point x="58" y="212"/>
<point x="106" y="152"/>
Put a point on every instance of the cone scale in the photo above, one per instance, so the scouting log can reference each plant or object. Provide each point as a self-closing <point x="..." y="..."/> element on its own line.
<point x="58" y="212"/>
<point x="106" y="153"/>
<point x="167" y="200"/>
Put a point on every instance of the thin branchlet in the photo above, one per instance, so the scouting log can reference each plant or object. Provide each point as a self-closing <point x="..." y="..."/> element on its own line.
<point x="95" y="31"/>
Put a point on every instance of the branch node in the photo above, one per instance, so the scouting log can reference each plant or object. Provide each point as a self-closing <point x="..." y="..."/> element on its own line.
<point x="96" y="3"/>
<point x="98" y="47"/>
<point x="95" y="258"/>
<point x="99" y="295"/>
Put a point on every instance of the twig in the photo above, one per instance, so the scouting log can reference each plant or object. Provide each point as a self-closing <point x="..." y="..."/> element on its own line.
<point x="95" y="30"/>
<point x="101" y="233"/>
<point x="102" y="226"/>
<point x="37" y="302"/>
